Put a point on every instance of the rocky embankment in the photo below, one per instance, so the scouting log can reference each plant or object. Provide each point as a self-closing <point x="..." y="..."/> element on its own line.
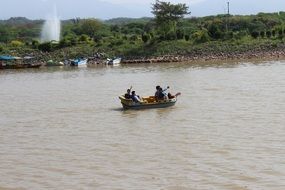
<point x="253" y="54"/>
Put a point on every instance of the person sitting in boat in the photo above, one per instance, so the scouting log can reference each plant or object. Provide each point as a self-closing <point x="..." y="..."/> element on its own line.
<point x="170" y="96"/>
<point x="167" y="95"/>
<point x="128" y="95"/>
<point x="162" y="94"/>
<point x="135" y="97"/>
<point x="156" y="92"/>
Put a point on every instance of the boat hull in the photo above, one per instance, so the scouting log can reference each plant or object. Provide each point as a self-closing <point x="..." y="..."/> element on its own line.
<point x="147" y="103"/>
<point x="19" y="66"/>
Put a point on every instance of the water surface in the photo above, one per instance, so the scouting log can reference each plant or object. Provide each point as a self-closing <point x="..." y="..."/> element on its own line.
<point x="65" y="129"/>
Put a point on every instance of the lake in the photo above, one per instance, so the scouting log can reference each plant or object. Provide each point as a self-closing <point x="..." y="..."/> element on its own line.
<point x="64" y="128"/>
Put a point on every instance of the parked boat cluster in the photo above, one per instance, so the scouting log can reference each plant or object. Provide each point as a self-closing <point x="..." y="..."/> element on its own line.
<point x="10" y="62"/>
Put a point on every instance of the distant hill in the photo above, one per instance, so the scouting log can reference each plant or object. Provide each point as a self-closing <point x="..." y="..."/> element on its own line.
<point x="20" y="21"/>
<point x="124" y="20"/>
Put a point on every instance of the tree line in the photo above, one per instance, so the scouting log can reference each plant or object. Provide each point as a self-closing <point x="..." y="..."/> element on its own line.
<point x="171" y="22"/>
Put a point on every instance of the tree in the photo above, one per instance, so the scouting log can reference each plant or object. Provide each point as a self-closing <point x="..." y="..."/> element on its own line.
<point x="165" y="11"/>
<point x="167" y="15"/>
<point x="90" y="27"/>
<point x="214" y="31"/>
<point x="145" y="37"/>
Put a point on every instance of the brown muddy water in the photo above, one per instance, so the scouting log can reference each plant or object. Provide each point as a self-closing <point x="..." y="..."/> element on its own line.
<point x="63" y="128"/>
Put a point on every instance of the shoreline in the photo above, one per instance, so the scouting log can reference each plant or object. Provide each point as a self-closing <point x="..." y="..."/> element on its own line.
<point x="201" y="55"/>
<point x="250" y="55"/>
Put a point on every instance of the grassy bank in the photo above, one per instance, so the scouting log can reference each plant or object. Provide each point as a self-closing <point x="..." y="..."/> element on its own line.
<point x="243" y="48"/>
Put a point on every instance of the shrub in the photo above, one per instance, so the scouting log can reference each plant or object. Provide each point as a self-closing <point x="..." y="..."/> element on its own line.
<point x="47" y="46"/>
<point x="134" y="38"/>
<point x="179" y="34"/>
<point x="201" y="36"/>
<point x="84" y="38"/>
<point x="273" y="33"/>
<point x="145" y="37"/>
<point x="239" y="35"/>
<point x="268" y="34"/>
<point x="280" y="32"/>
<point x="35" y="44"/>
<point x="16" y="43"/>
<point x="229" y="35"/>
<point x="262" y="34"/>
<point x="187" y="37"/>
<point x="64" y="43"/>
<point x="170" y="35"/>
<point x="254" y="34"/>
<point x="215" y="32"/>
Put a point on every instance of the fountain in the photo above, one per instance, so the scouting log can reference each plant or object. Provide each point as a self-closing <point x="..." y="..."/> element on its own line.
<point x="51" y="28"/>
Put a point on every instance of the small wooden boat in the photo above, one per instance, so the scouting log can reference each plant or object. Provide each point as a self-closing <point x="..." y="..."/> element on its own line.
<point x="9" y="62"/>
<point x="147" y="102"/>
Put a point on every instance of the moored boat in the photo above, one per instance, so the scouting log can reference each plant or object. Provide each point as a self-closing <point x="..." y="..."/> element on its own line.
<point x="9" y="62"/>
<point x="147" y="103"/>
<point x="114" y="62"/>
<point x="51" y="63"/>
<point x="79" y="62"/>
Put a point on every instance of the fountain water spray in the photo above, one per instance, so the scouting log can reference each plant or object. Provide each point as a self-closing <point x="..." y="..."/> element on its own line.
<point x="51" y="28"/>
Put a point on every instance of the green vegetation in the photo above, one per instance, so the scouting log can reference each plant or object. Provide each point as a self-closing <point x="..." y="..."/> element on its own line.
<point x="167" y="33"/>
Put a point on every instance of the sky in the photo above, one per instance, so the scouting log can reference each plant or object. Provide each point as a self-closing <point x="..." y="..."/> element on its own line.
<point x="106" y="9"/>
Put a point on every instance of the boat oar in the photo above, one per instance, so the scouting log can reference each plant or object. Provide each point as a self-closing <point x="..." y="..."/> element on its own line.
<point x="177" y="94"/>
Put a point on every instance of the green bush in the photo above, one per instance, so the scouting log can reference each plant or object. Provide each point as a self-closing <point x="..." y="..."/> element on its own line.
<point x="16" y="43"/>
<point x="187" y="37"/>
<point x="215" y="32"/>
<point x="273" y="33"/>
<point x="268" y="34"/>
<point x="145" y="37"/>
<point x="133" y="38"/>
<point x="280" y="32"/>
<point x="83" y="38"/>
<point x="46" y="47"/>
<point x="179" y="34"/>
<point x="262" y="34"/>
<point x="170" y="36"/>
<point x="201" y="36"/>
<point x="254" y="34"/>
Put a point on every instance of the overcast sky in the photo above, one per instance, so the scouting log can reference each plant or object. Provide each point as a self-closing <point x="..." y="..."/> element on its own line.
<point x="105" y="9"/>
